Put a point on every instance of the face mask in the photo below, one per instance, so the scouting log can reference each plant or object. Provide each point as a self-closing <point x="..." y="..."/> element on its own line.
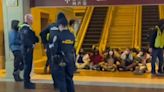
<point x="60" y="28"/>
<point x="111" y="53"/>
<point x="141" y="53"/>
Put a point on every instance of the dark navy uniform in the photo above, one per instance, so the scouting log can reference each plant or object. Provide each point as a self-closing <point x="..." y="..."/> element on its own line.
<point x="51" y="30"/>
<point x="45" y="36"/>
<point x="64" y="64"/>
<point x="28" y="40"/>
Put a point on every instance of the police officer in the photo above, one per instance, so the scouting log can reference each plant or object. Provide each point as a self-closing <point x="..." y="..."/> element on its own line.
<point x="157" y="45"/>
<point x="15" y="46"/>
<point x="63" y="56"/>
<point x="51" y="30"/>
<point x="28" y="39"/>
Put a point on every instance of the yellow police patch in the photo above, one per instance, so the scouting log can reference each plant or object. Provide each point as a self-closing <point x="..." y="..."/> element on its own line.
<point x="68" y="42"/>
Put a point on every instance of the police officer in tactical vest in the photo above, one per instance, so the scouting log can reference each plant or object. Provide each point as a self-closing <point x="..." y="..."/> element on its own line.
<point x="157" y="45"/>
<point x="51" y="30"/>
<point x="62" y="45"/>
<point x="28" y="41"/>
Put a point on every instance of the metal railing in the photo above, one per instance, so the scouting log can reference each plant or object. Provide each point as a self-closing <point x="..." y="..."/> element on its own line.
<point x="161" y="11"/>
<point x="107" y="24"/>
<point x="138" y="23"/>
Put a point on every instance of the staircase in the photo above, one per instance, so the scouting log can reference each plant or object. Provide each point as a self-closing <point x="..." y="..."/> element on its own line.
<point x="122" y="27"/>
<point x="150" y="17"/>
<point x="95" y="28"/>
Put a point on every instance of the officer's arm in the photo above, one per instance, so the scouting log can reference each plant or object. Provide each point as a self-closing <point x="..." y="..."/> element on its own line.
<point x="33" y="37"/>
<point x="36" y="38"/>
<point x="43" y="35"/>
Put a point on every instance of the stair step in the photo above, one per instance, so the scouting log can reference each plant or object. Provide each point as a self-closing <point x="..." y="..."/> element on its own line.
<point x="149" y="23"/>
<point x="98" y="15"/>
<point x="97" y="20"/>
<point x="120" y="37"/>
<point x="87" y="45"/>
<point x="89" y="33"/>
<point x="120" y="45"/>
<point x="119" y="33"/>
<point x="123" y="22"/>
<point x="92" y="36"/>
<point x="121" y="29"/>
<point x="87" y="49"/>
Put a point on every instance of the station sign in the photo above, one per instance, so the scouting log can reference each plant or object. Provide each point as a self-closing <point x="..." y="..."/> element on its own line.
<point x="93" y="2"/>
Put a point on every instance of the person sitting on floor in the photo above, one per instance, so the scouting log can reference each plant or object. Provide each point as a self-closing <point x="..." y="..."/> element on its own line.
<point x="95" y="60"/>
<point x="128" y="62"/>
<point x="82" y="60"/>
<point x="117" y="56"/>
<point x="108" y="64"/>
<point x="143" y="58"/>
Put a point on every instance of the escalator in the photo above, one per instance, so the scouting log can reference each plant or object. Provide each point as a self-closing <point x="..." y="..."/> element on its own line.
<point x="95" y="28"/>
<point x="150" y="17"/>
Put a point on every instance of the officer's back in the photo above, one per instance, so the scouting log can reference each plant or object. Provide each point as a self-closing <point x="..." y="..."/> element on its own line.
<point x="63" y="43"/>
<point x="28" y="37"/>
<point x="67" y="39"/>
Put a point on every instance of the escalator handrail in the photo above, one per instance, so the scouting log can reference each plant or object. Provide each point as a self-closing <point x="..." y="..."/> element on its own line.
<point x="137" y="33"/>
<point x="83" y="28"/>
<point x="107" y="25"/>
<point x="161" y="11"/>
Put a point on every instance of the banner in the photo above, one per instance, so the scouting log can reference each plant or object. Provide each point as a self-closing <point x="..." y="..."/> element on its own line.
<point x="93" y="2"/>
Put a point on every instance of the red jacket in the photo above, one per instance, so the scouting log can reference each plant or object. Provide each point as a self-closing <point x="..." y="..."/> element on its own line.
<point x="96" y="59"/>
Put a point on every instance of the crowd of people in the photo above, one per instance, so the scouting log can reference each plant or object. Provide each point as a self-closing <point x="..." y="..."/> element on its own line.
<point x="130" y="59"/>
<point x="112" y="60"/>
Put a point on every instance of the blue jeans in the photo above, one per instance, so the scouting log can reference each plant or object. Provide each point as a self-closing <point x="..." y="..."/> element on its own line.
<point x="18" y="61"/>
<point x="157" y="53"/>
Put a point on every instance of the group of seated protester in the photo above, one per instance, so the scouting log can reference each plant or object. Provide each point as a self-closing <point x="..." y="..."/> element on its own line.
<point x="114" y="60"/>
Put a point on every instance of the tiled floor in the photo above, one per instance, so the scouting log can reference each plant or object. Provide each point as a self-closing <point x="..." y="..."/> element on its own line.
<point x="18" y="87"/>
<point x="97" y="78"/>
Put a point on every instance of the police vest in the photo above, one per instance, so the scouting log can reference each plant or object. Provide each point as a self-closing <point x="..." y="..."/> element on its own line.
<point x="48" y="37"/>
<point x="159" y="41"/>
<point x="23" y="25"/>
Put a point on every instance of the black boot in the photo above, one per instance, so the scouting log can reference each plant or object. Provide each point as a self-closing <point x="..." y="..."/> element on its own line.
<point x="16" y="76"/>
<point x="29" y="85"/>
<point x="54" y="85"/>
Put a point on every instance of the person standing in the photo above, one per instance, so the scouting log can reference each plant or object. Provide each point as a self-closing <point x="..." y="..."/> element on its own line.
<point x="28" y="40"/>
<point x="15" y="46"/>
<point x="157" y="45"/>
<point x="62" y="45"/>
<point x="51" y="30"/>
